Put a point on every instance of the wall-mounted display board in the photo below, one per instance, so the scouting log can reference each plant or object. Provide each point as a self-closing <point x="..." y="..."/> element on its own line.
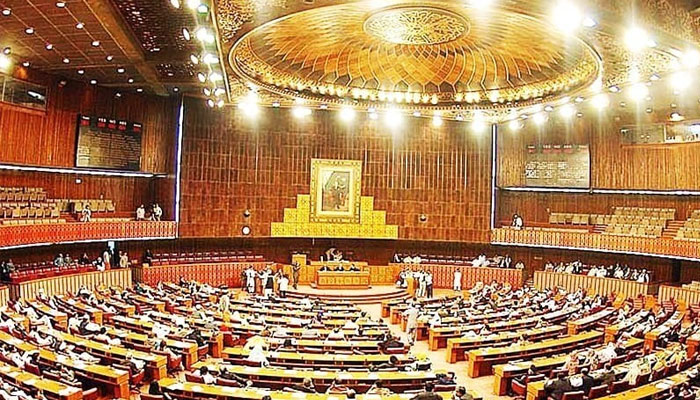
<point x="108" y="144"/>
<point x="557" y="165"/>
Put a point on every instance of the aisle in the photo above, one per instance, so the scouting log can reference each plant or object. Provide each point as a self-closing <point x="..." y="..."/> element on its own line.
<point x="482" y="385"/>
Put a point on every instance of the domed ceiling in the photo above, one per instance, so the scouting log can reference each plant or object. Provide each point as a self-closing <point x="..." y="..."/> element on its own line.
<point x="447" y="55"/>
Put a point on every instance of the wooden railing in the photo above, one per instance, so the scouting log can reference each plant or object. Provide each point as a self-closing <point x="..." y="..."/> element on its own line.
<point x="572" y="282"/>
<point x="25" y="235"/>
<point x="595" y="241"/>
<point x="71" y="283"/>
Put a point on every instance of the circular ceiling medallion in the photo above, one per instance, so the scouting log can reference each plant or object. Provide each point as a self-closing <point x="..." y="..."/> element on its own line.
<point x="430" y="54"/>
<point x="416" y="25"/>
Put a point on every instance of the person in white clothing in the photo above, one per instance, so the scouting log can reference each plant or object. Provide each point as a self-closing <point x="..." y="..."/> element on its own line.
<point x="411" y="323"/>
<point x="141" y="213"/>
<point x="457" y="283"/>
<point x="283" y="285"/>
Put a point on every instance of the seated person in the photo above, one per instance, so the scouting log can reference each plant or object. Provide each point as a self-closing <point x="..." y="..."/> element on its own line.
<point x="206" y="376"/>
<point x="336" y="388"/>
<point x="307" y="386"/>
<point x="378" y="388"/>
<point x="557" y="387"/>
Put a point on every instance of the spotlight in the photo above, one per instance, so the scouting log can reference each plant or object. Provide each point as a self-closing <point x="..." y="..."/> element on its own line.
<point x="514" y="125"/>
<point x="109" y="58"/>
<point x="194" y="59"/>
<point x="459" y="117"/>
<point x="79" y="25"/>
<point x="120" y="70"/>
<point x="7" y="51"/>
<point x="130" y="80"/>
<point x="139" y="90"/>
<point x="66" y="61"/>
<point x="60" y="4"/>
<point x="6" y="12"/>
<point x="393" y="118"/>
<point x="49" y="46"/>
<point x="276" y="104"/>
<point x="548" y="108"/>
<point x="202" y="9"/>
<point x="567" y="110"/>
<point x="220" y="91"/>
<point x="186" y="34"/>
<point x="638" y="91"/>
<point x="220" y="103"/>
<point x="347" y="114"/>
<point x="5" y="62"/>
<point x="215" y="77"/>
<point x="478" y="125"/>
<point x="25" y="64"/>
<point x="203" y="35"/>
<point x="614" y="89"/>
<point x="301" y="111"/>
<point x="416" y="114"/>
<point x="691" y="58"/>
<point x="210" y="59"/>
<point x="245" y="230"/>
<point x="600" y="101"/>
<point x="636" y="39"/>
<point x="81" y="72"/>
<point x="676" y="116"/>
<point x="95" y="43"/>
<point x="93" y="82"/>
<point x="176" y="89"/>
<point x="566" y="17"/>
<point x="249" y="105"/>
<point x="202" y="78"/>
<point x="210" y="103"/>
<point x="539" y="118"/>
<point x="29" y="30"/>
<point x="579" y="99"/>
<point x="437" y="121"/>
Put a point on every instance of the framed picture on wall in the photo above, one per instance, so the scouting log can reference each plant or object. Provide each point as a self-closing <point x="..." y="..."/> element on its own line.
<point x="335" y="190"/>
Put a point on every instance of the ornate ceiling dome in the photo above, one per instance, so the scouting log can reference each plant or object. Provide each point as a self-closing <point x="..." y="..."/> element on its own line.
<point x="427" y="54"/>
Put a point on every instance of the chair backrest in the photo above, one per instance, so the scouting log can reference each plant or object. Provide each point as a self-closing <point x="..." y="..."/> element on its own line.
<point x="578" y="395"/>
<point x="598" y="391"/>
<point x="146" y="396"/>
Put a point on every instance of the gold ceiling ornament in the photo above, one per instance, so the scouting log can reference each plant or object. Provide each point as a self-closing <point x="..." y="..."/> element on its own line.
<point x="339" y="53"/>
<point x="416" y="25"/>
<point x="232" y="14"/>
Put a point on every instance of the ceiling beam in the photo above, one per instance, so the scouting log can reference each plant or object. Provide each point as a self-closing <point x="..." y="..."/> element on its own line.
<point x="110" y="18"/>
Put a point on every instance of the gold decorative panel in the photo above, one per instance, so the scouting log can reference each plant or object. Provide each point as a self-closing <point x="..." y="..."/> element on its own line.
<point x="416" y="25"/>
<point x="335" y="207"/>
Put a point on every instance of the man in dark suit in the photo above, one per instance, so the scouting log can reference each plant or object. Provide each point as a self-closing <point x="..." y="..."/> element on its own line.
<point x="588" y="381"/>
<point x="608" y="376"/>
<point x="428" y="393"/>
<point x="557" y="387"/>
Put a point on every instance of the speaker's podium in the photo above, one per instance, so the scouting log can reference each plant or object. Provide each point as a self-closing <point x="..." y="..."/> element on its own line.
<point x="343" y="279"/>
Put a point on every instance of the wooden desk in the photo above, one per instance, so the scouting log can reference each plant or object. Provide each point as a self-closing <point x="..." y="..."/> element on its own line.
<point x="458" y="347"/>
<point x="580" y="325"/>
<point x="504" y="373"/>
<point x="366" y="346"/>
<point x="71" y="283"/>
<point x="347" y="280"/>
<point x="188" y="350"/>
<point x="612" y="331"/>
<point x="59" y="318"/>
<point x="156" y="364"/>
<point x="653" y="335"/>
<point x="479" y="362"/>
<point x="295" y="359"/>
<point x="28" y="381"/>
<point x="116" y="380"/>
<point x="278" y="378"/>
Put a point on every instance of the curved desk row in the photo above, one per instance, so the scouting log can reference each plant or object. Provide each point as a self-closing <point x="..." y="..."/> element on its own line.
<point x="71" y="283"/>
<point x="594" y="285"/>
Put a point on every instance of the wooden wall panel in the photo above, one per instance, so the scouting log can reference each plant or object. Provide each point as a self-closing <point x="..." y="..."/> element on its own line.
<point x="536" y="206"/>
<point x="613" y="165"/>
<point x="127" y="193"/>
<point x="48" y="138"/>
<point x="231" y="164"/>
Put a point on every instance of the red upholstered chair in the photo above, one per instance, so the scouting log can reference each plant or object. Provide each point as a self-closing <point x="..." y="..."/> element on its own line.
<point x="619" y="386"/>
<point x="146" y="396"/>
<point x="91" y="394"/>
<point x="598" y="391"/>
<point x="190" y="377"/>
<point x="573" y="395"/>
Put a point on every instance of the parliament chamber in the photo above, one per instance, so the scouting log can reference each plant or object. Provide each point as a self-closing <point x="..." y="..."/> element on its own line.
<point x="350" y="199"/>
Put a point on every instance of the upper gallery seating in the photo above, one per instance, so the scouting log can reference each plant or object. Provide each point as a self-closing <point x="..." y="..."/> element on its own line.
<point x="624" y="221"/>
<point x="32" y="205"/>
<point x="205" y="257"/>
<point x="691" y="228"/>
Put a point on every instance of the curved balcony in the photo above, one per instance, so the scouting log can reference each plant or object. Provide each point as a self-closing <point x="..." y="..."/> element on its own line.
<point x="42" y="234"/>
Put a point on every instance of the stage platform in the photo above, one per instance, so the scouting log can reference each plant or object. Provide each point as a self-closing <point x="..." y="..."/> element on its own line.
<point x="373" y="295"/>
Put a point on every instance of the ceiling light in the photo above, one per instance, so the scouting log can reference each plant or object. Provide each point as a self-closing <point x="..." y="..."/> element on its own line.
<point x="120" y="70"/>
<point x="636" y="39"/>
<point x="66" y="61"/>
<point x="95" y="43"/>
<point x="548" y="108"/>
<point x="186" y="34"/>
<point x="480" y="3"/>
<point x="478" y="125"/>
<point x="589" y="22"/>
<point x="676" y="116"/>
<point x="301" y="111"/>
<point x="579" y="99"/>
<point x="638" y="91"/>
<point x="567" y="110"/>
<point x="29" y="30"/>
<point x="175" y="3"/>
<point x="680" y="80"/>
<point x="117" y="94"/>
<point x="139" y="90"/>
<point x="249" y="105"/>
<point x="202" y="9"/>
<point x="192" y="4"/>
<point x="600" y="100"/>
<point x="691" y="58"/>
<point x="566" y="16"/>
<point x="323" y="106"/>
<point x="5" y="62"/>
<point x="81" y="71"/>
<point x="393" y="118"/>
<point x="219" y="91"/>
<point x="25" y="64"/>
<point x="416" y="114"/>
<point x="654" y="77"/>
<point x="215" y="77"/>
<point x="130" y="80"/>
<point x="202" y="78"/>
<point x="211" y="103"/>
<point x="60" y="4"/>
<point x="194" y="59"/>
<point x="276" y="104"/>
<point x="514" y="125"/>
<point x="220" y="103"/>
<point x="203" y="35"/>
<point x="49" y="46"/>
<point x="459" y="117"/>
<point x="539" y="118"/>
<point x="176" y="89"/>
<point x="614" y="89"/>
<point x="79" y="25"/>
<point x="93" y="82"/>
<point x="210" y="59"/>
<point x="6" y="51"/>
<point x="437" y="121"/>
<point x="109" y="58"/>
<point x="373" y="116"/>
<point x="6" y="12"/>
<point x="206" y="91"/>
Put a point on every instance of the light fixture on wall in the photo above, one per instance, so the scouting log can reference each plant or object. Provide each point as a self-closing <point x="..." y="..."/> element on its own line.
<point x="423" y="218"/>
<point x="246" y="213"/>
<point x="246" y="230"/>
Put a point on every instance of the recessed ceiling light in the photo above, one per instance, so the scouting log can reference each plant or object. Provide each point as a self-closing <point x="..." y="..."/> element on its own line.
<point x="81" y="71"/>
<point x="202" y="9"/>
<point x="194" y="59"/>
<point x="276" y="104"/>
<point x="323" y="106"/>
<point x="29" y="30"/>
<point x="206" y="91"/>
<point x="202" y="78"/>
<point x="95" y="43"/>
<point x="176" y="89"/>
<point x="60" y="4"/>
<point x="211" y="103"/>
<point x="120" y="70"/>
<point x="186" y="34"/>
<point x="614" y="88"/>
<point x="6" y="12"/>
<point x="578" y="99"/>
<point x="25" y="64"/>
<point x="210" y="59"/>
<point x="109" y="58"/>
<point x="416" y="113"/>
<point x="155" y="49"/>
<point x="6" y="51"/>
<point x="117" y="94"/>
<point x="93" y="82"/>
<point x="139" y="90"/>
<point x="49" y="46"/>
<point x="80" y="25"/>
<point x="130" y="80"/>
<point x="66" y="61"/>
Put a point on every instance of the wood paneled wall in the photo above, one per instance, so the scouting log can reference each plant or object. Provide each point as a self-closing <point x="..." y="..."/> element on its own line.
<point x="231" y="164"/>
<point x="613" y="165"/>
<point x="536" y="206"/>
<point x="48" y="138"/>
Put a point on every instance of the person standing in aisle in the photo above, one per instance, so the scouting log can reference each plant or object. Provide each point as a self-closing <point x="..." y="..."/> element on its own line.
<point x="457" y="283"/>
